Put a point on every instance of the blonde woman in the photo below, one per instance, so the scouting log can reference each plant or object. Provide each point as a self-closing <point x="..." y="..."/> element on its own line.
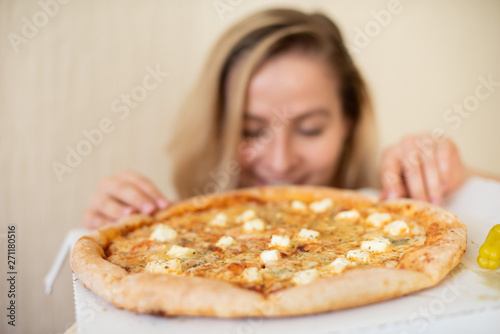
<point x="280" y="101"/>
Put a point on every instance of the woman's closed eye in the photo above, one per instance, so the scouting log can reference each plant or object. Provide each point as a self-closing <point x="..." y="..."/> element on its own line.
<point x="310" y="132"/>
<point x="313" y="123"/>
<point x="253" y="133"/>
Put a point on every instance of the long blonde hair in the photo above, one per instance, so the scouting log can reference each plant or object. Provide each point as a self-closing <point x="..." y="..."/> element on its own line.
<point x="206" y="137"/>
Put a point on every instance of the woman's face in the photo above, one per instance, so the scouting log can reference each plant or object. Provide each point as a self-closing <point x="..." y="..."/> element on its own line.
<point x="293" y="127"/>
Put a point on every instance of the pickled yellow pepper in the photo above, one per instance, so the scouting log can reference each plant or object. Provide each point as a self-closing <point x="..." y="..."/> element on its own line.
<point x="489" y="252"/>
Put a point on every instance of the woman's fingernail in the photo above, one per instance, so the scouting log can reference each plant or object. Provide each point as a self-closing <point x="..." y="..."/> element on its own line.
<point x="147" y="208"/>
<point x="436" y="202"/>
<point x="128" y="211"/>
<point x="443" y="187"/>
<point x="162" y="203"/>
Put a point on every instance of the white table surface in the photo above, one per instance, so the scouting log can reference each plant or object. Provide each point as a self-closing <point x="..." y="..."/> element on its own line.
<point x="467" y="301"/>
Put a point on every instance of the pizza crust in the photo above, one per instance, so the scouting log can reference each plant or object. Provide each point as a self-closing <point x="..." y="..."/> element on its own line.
<point x="179" y="295"/>
<point x="446" y="240"/>
<point x="348" y="290"/>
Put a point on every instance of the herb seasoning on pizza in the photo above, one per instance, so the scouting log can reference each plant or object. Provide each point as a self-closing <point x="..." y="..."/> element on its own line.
<point x="270" y="251"/>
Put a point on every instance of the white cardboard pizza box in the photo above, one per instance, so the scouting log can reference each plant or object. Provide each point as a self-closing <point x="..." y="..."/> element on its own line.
<point x="468" y="300"/>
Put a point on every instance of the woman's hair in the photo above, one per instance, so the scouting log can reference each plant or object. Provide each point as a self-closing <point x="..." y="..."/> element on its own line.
<point x="205" y="139"/>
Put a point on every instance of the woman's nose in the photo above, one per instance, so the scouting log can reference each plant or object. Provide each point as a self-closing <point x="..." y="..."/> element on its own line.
<point x="279" y="154"/>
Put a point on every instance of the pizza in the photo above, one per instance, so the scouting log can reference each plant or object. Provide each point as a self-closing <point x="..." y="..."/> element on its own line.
<point x="270" y="252"/>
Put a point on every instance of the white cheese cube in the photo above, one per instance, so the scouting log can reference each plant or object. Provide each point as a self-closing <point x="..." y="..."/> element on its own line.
<point x="254" y="225"/>
<point x="220" y="220"/>
<point x="375" y="245"/>
<point x="391" y="264"/>
<point x="280" y="241"/>
<point x="225" y="242"/>
<point x="358" y="255"/>
<point x="305" y="276"/>
<point x="164" y="267"/>
<point x="396" y="228"/>
<point x="378" y="219"/>
<point x="245" y="216"/>
<point x="157" y="267"/>
<point x="321" y="206"/>
<point x="418" y="230"/>
<point x="308" y="235"/>
<point x="181" y="252"/>
<point x="299" y="206"/>
<point x="348" y="216"/>
<point x="163" y="233"/>
<point x="268" y="256"/>
<point x="339" y="265"/>
<point x="252" y="275"/>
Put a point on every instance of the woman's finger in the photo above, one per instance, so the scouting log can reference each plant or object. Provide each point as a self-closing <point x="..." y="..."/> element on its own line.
<point x="412" y="170"/>
<point x="391" y="175"/>
<point x="146" y="186"/>
<point x="109" y="207"/>
<point x="128" y="194"/>
<point x="94" y="220"/>
<point x="432" y="175"/>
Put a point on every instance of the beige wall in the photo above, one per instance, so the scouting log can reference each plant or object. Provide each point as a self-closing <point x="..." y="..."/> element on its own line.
<point x="63" y="79"/>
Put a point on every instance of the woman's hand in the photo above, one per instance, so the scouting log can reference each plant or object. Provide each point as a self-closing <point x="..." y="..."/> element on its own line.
<point x="120" y="195"/>
<point x="422" y="167"/>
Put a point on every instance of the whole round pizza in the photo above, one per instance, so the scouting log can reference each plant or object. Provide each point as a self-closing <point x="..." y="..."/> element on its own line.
<point x="270" y="252"/>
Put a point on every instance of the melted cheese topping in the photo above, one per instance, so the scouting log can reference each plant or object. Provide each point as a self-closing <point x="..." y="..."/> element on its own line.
<point x="163" y="233"/>
<point x="269" y="256"/>
<point x="375" y="245"/>
<point x="349" y="216"/>
<point x="280" y="241"/>
<point x="252" y="274"/>
<point x="246" y="216"/>
<point x="254" y="225"/>
<point x="305" y="276"/>
<point x="281" y="245"/>
<point x="339" y="265"/>
<point x="220" y="220"/>
<point x="321" y="206"/>
<point x="396" y="228"/>
<point x="225" y="242"/>
<point x="164" y="267"/>
<point x="181" y="252"/>
<point x="358" y="255"/>
<point x="378" y="219"/>
<point x="308" y="235"/>
<point x="299" y="206"/>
